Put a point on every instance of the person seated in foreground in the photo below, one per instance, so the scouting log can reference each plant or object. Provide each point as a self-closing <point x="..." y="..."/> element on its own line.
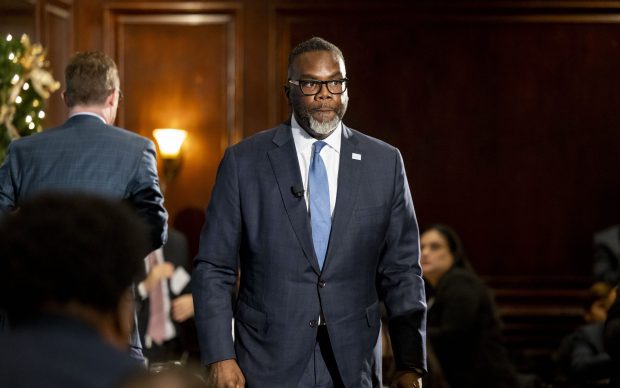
<point x="68" y="263"/>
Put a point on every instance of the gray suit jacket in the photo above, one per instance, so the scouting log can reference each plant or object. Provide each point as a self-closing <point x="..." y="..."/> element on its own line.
<point x="254" y="220"/>
<point x="86" y="155"/>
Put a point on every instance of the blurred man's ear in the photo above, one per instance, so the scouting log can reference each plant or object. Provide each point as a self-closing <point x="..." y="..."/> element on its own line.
<point x="124" y="319"/>
<point x="64" y="98"/>
<point x="109" y="101"/>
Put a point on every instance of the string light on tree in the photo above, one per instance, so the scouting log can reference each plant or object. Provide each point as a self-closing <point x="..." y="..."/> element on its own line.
<point x="25" y="83"/>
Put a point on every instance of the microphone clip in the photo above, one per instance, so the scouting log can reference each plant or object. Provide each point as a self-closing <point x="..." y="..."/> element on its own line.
<point x="297" y="191"/>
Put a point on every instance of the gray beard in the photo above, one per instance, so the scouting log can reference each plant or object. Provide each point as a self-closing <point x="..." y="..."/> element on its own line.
<point x="323" y="128"/>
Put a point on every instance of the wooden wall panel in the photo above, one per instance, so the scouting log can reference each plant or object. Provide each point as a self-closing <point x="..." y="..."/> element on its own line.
<point x="505" y="112"/>
<point x="181" y="70"/>
<point x="507" y="121"/>
<point x="17" y="17"/>
<point x="56" y="33"/>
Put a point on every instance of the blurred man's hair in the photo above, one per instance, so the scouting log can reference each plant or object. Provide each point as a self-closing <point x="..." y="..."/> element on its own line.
<point x="60" y="248"/>
<point x="90" y="77"/>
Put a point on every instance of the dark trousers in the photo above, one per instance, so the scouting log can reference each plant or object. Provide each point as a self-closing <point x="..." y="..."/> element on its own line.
<point x="321" y="371"/>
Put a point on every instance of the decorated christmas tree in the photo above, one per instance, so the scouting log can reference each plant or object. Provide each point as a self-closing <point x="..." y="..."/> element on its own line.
<point x="25" y="84"/>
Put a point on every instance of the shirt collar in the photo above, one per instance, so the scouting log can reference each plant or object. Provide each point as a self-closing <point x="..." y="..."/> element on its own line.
<point x="89" y="114"/>
<point x="303" y="140"/>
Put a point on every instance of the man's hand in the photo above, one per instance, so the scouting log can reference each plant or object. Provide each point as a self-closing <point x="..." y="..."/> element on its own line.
<point x="225" y="374"/>
<point x="182" y="308"/>
<point x="156" y="274"/>
<point x="406" y="379"/>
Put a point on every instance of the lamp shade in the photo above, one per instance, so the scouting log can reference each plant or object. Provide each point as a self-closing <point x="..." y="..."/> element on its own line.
<point x="170" y="141"/>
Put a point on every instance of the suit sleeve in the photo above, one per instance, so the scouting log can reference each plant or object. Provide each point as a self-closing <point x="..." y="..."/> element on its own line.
<point x="215" y="266"/>
<point x="7" y="187"/>
<point x="587" y="363"/>
<point x="146" y="197"/>
<point x="400" y="278"/>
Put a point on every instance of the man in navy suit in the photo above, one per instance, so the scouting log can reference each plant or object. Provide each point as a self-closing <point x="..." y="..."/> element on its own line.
<point x="87" y="154"/>
<point x="320" y="222"/>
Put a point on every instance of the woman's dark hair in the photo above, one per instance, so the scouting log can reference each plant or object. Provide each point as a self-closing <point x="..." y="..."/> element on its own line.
<point x="454" y="244"/>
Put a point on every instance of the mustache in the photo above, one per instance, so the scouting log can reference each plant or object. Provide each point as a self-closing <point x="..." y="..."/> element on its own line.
<point x="322" y="107"/>
<point x="322" y="110"/>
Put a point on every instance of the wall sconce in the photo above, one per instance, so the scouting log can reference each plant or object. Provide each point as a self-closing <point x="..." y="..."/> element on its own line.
<point x="170" y="141"/>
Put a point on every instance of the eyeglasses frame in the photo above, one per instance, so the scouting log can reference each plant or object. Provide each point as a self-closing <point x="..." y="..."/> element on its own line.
<point x="297" y="82"/>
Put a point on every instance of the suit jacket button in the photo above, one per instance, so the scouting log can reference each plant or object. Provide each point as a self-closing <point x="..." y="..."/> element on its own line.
<point x="313" y="323"/>
<point x="322" y="284"/>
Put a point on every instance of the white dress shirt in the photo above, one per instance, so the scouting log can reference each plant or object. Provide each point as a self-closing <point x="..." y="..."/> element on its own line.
<point x="330" y="155"/>
<point x="89" y="114"/>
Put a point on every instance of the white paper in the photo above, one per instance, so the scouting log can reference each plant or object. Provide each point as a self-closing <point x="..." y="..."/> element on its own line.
<point x="179" y="280"/>
<point x="356" y="156"/>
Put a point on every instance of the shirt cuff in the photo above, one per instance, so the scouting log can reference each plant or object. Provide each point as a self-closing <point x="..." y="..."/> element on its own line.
<point x="142" y="291"/>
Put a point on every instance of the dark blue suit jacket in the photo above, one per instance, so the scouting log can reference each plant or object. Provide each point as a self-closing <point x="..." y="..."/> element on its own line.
<point x="254" y="219"/>
<point x="57" y="351"/>
<point x="86" y="155"/>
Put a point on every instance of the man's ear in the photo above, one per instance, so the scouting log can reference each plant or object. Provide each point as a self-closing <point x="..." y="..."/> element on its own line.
<point x="124" y="317"/>
<point x="65" y="98"/>
<point x="287" y="91"/>
<point x="109" y="101"/>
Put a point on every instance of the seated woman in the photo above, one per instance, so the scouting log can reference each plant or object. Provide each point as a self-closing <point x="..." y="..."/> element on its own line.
<point x="462" y="327"/>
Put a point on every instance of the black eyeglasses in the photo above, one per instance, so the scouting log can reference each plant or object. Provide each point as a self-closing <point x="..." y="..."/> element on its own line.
<point x="312" y="87"/>
<point x="120" y="95"/>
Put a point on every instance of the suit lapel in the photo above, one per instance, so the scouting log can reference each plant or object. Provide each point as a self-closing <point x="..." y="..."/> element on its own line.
<point x="349" y="173"/>
<point x="285" y="166"/>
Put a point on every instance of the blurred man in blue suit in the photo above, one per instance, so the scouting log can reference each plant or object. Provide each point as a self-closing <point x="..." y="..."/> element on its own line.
<point x="319" y="220"/>
<point x="87" y="153"/>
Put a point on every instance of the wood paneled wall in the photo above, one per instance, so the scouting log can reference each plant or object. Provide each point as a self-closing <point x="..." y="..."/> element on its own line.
<point x="56" y="31"/>
<point x="506" y="113"/>
<point x="181" y="67"/>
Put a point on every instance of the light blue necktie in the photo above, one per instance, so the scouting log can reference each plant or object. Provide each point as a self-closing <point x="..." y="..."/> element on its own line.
<point x="320" y="214"/>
